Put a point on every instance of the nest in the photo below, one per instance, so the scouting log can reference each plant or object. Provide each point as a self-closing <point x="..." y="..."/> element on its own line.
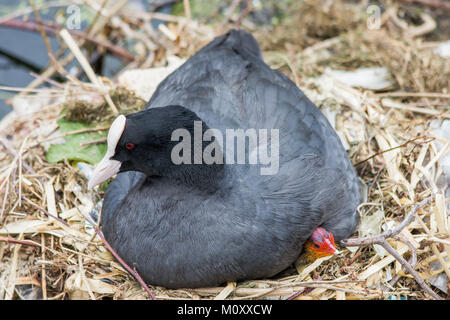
<point x="49" y="246"/>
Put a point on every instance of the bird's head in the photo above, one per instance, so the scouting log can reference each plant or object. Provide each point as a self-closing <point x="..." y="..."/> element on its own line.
<point x="144" y="142"/>
<point x="320" y="244"/>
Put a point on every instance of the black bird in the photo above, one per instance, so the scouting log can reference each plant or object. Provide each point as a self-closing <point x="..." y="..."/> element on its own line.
<point x="196" y="225"/>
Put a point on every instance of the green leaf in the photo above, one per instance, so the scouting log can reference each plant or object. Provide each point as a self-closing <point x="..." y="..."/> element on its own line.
<point x="199" y="9"/>
<point x="72" y="149"/>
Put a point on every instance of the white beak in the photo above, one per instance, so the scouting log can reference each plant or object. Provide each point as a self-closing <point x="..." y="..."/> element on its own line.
<point x="336" y="251"/>
<point x="105" y="169"/>
<point x="108" y="167"/>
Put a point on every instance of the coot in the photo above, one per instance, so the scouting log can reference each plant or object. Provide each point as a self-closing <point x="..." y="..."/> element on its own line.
<point x="197" y="215"/>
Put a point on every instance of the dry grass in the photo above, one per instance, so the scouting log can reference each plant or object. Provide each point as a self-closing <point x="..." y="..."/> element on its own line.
<point x="66" y="260"/>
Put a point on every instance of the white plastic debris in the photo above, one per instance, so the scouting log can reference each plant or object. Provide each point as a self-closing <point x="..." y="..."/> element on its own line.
<point x="443" y="49"/>
<point x="86" y="169"/>
<point x="439" y="281"/>
<point x="330" y="115"/>
<point x="376" y="78"/>
<point x="144" y="81"/>
<point x="371" y="226"/>
<point x="441" y="130"/>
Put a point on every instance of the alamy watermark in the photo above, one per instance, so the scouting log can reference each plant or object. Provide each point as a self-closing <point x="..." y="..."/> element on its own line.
<point x="235" y="150"/>
<point x="374" y="17"/>
<point x="73" y="17"/>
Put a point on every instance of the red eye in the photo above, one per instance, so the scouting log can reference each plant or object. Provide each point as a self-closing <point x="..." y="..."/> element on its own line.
<point x="129" y="146"/>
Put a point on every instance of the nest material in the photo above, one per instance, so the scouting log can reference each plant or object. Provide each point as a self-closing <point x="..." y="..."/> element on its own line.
<point x="389" y="139"/>
<point x="82" y="111"/>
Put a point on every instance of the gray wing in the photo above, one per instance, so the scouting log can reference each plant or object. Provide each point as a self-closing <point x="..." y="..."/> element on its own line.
<point x="230" y="87"/>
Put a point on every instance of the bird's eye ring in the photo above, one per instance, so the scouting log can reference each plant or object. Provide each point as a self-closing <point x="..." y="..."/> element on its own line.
<point x="129" y="146"/>
<point x="316" y="245"/>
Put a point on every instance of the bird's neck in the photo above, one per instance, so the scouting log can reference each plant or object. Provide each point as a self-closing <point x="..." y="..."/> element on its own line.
<point x="205" y="177"/>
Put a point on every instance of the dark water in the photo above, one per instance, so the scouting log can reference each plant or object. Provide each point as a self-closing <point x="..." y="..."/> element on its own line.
<point x="22" y="52"/>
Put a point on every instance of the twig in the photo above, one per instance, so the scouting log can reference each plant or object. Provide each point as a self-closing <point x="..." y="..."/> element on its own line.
<point x="284" y="290"/>
<point x="69" y="133"/>
<point x="101" y="140"/>
<point x="414" y="94"/>
<point x="412" y="261"/>
<point x="295" y="295"/>
<point x="167" y="32"/>
<point x="411" y="31"/>
<point x="45" y="211"/>
<point x="53" y="28"/>
<point x="86" y="67"/>
<point x="108" y="246"/>
<point x="11" y="168"/>
<point x="433" y="246"/>
<point x="14" y="154"/>
<point x="393" y="148"/>
<point x="43" y="33"/>
<point x="357" y="242"/>
<point x="46" y="79"/>
<point x="110" y="47"/>
<point x="43" y="30"/>
<point x="92" y="30"/>
<point x="375" y="179"/>
<point x="280" y="290"/>
<point x="23" y="242"/>
<point x="97" y="16"/>
<point x="391" y="233"/>
<point x="27" y="10"/>
<point x="133" y="272"/>
<point x="148" y="16"/>
<point x="230" y="287"/>
<point x="43" y="275"/>
<point x="427" y="110"/>
<point x="408" y="267"/>
<point x="20" y="89"/>
<point x="233" y="6"/>
<point x="187" y="9"/>
<point x="434" y="4"/>
<point x="246" y="11"/>
<point x="49" y="72"/>
<point x="357" y="254"/>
